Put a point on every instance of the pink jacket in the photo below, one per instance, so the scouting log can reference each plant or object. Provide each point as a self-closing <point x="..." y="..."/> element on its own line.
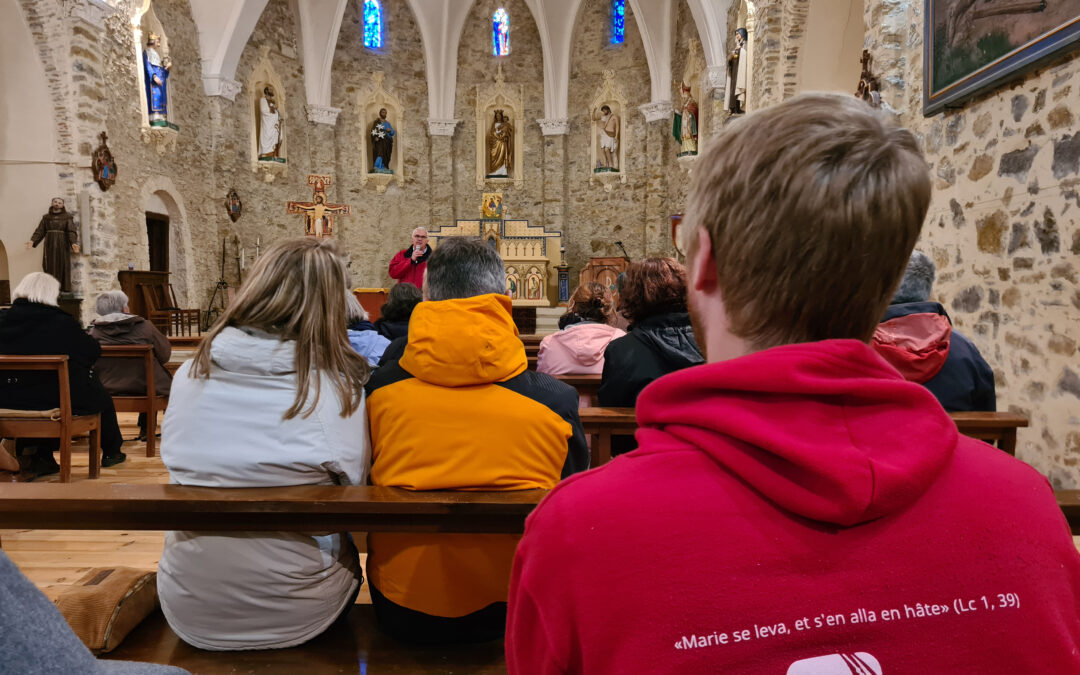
<point x="578" y="349"/>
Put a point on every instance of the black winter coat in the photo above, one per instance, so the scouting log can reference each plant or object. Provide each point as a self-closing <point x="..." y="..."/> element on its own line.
<point x="30" y="328"/>
<point x="654" y="347"/>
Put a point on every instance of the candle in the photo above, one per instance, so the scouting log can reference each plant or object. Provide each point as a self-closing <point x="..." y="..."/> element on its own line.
<point x="243" y="253"/>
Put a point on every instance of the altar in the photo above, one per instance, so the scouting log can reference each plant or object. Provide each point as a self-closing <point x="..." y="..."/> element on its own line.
<point x="530" y="253"/>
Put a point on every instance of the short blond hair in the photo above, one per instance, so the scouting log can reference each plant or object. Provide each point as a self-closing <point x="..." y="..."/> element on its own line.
<point x="813" y="207"/>
<point x="38" y="287"/>
<point x="296" y="292"/>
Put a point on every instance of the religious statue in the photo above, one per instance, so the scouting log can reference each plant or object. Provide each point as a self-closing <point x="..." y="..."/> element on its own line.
<point x="233" y="206"/>
<point x="736" y="74"/>
<point x="103" y="165"/>
<point x="869" y="89"/>
<point x="501" y="147"/>
<point x="685" y="128"/>
<point x="382" y="143"/>
<point x="318" y="213"/>
<point x="156" y="68"/>
<point x="610" y="132"/>
<point x="57" y="230"/>
<point x="269" y="127"/>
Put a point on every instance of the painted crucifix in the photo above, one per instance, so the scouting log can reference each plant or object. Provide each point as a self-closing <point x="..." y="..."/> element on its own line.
<point x="318" y="213"/>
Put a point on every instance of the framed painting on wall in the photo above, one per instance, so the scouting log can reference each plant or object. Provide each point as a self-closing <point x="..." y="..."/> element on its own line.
<point x="972" y="46"/>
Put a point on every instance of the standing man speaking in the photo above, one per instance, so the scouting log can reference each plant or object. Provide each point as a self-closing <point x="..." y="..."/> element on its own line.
<point x="408" y="266"/>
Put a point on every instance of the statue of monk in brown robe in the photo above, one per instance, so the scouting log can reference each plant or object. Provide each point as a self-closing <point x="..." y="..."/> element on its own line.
<point x="57" y="230"/>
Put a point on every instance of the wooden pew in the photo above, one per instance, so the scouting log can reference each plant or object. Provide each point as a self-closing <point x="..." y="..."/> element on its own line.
<point x="600" y="424"/>
<point x="301" y="508"/>
<point x="586" y="385"/>
<point x="1069" y="503"/>
<point x="149" y="403"/>
<point x="307" y="508"/>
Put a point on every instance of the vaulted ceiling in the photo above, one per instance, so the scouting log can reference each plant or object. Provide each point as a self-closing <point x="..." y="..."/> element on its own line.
<point x="225" y="28"/>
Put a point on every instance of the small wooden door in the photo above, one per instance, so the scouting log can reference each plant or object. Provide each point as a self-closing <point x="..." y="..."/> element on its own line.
<point x="157" y="236"/>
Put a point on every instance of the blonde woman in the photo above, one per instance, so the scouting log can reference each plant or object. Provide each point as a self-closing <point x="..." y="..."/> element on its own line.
<point x="274" y="396"/>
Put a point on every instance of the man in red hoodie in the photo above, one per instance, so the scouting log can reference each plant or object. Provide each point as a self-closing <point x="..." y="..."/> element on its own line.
<point x="795" y="506"/>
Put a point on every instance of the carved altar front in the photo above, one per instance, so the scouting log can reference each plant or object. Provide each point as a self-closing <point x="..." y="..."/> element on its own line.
<point x="529" y="252"/>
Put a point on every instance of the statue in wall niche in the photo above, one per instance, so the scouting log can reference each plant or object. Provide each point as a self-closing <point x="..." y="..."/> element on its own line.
<point x="269" y="127"/>
<point x="156" y="68"/>
<point x="609" y="130"/>
<point x="685" y="128"/>
<point x="868" y="90"/>
<point x="737" y="64"/>
<point x="57" y="229"/>
<point x="500" y="147"/>
<point x="382" y="143"/>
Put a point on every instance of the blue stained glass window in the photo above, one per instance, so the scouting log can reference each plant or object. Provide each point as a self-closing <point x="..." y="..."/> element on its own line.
<point x="500" y="33"/>
<point x="372" y="24"/>
<point x="618" y="21"/>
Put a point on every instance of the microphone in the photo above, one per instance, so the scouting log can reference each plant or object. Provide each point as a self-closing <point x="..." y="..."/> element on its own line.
<point x="619" y="244"/>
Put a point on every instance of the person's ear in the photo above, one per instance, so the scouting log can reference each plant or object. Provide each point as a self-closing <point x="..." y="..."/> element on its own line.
<point x="701" y="265"/>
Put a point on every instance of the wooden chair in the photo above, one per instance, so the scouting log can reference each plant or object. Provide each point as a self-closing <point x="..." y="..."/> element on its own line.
<point x="149" y="402"/>
<point x="49" y="424"/>
<point x="161" y="309"/>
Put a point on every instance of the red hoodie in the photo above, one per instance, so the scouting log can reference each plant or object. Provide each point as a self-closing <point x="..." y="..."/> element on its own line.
<point x="798" y="510"/>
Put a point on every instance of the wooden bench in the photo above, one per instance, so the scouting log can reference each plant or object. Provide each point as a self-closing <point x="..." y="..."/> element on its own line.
<point x="99" y="506"/>
<point x="64" y="426"/>
<point x="600" y="424"/>
<point x="149" y="403"/>
<point x="185" y="341"/>
<point x="586" y="385"/>
<point x="1069" y="503"/>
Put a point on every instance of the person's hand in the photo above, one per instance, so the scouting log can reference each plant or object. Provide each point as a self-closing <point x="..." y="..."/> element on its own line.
<point x="416" y="253"/>
<point x="74" y="248"/>
<point x="29" y="245"/>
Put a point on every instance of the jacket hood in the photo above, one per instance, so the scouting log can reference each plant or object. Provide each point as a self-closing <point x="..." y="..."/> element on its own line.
<point x="671" y="337"/>
<point x="586" y="341"/>
<point x="916" y="343"/>
<point x="811" y="427"/>
<point x="466" y="341"/>
<point x="253" y="352"/>
<point x="117" y="324"/>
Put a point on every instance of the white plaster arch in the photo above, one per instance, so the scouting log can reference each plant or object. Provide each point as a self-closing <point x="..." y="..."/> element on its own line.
<point x="653" y="18"/>
<point x="711" y="19"/>
<point x="224" y="30"/>
<point x="318" y="24"/>
<point x="555" y="21"/>
<point x="441" y="23"/>
<point x="159" y="190"/>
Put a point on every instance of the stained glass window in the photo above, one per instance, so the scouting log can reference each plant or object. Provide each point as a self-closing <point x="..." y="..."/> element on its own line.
<point x="372" y="24"/>
<point x="500" y="33"/>
<point x="618" y="21"/>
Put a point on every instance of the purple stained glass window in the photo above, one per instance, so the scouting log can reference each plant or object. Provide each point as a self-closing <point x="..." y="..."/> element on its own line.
<point x="500" y="33"/>
<point x="372" y="24"/>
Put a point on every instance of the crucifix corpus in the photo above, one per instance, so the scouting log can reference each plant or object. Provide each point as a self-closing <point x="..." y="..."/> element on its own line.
<point x="318" y="213"/>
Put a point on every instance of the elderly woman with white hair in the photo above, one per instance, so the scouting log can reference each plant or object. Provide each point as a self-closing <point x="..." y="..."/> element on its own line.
<point x="118" y="326"/>
<point x="35" y="325"/>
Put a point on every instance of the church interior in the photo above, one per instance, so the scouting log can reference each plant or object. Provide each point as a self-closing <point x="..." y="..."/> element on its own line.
<point x="186" y="137"/>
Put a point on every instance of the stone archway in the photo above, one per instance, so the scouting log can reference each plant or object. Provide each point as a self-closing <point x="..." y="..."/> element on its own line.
<point x="159" y="193"/>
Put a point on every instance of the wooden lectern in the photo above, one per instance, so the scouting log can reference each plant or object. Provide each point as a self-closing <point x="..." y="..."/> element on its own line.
<point x="604" y="270"/>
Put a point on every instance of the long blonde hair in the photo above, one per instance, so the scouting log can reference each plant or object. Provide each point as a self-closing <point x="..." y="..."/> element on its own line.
<point x="295" y="292"/>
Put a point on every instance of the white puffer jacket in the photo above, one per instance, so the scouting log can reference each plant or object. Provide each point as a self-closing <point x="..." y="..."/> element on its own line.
<point x="253" y="590"/>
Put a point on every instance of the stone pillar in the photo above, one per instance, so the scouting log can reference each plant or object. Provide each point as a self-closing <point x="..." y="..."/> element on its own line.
<point x="555" y="188"/>
<point x="441" y="134"/>
<point x="659" y="153"/>
<point x="713" y="88"/>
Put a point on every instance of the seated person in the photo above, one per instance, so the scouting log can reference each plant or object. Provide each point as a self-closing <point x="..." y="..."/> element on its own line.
<point x="393" y="321"/>
<point x="796" y="506"/>
<point x="363" y="337"/>
<point x="35" y="637"/>
<point x="578" y="348"/>
<point x="35" y="325"/>
<point x="660" y="340"/>
<point x="273" y="397"/>
<point x="127" y="377"/>
<point x="461" y="411"/>
<point x="917" y="338"/>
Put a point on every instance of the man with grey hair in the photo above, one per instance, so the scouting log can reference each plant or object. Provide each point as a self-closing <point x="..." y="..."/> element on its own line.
<point x="917" y="338"/>
<point x="408" y="265"/>
<point x="461" y="411"/>
<point x="116" y="325"/>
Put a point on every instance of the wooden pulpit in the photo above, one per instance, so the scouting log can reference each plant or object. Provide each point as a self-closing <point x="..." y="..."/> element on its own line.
<point x="372" y="300"/>
<point x="604" y="270"/>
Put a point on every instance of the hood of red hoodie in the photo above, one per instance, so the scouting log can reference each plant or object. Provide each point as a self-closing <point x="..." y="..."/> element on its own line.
<point x="917" y="345"/>
<point x="826" y="430"/>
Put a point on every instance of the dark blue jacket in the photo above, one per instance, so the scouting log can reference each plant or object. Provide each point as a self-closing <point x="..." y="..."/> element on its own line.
<point x="966" y="381"/>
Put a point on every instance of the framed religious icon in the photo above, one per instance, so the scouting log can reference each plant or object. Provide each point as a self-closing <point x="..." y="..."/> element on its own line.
<point x="972" y="46"/>
<point x="233" y="206"/>
<point x="103" y="165"/>
<point x="492" y="206"/>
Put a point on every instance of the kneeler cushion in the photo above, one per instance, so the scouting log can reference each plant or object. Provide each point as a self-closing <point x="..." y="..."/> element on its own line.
<point x="106" y="604"/>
